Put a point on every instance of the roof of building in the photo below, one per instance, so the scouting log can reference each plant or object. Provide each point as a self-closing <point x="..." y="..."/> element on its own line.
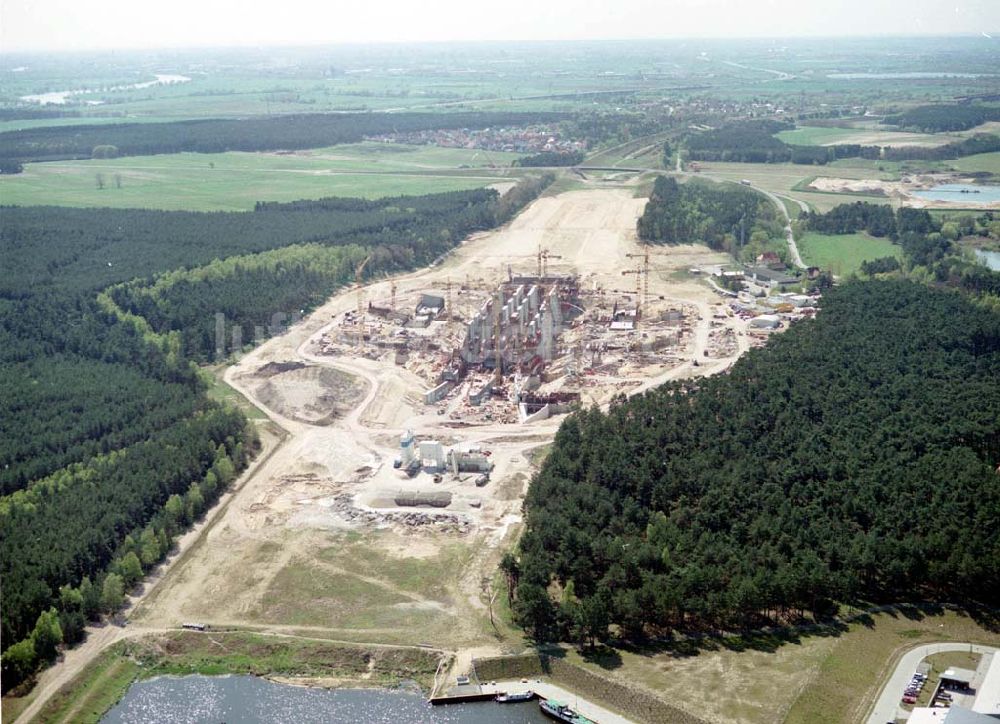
<point x="948" y="715"/>
<point x="778" y="277"/>
<point x="956" y="674"/>
<point x="988" y="693"/>
<point x="431" y="300"/>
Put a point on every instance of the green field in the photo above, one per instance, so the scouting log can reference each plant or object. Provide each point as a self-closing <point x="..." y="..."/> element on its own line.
<point x="989" y="162"/>
<point x="869" y="135"/>
<point x="235" y="181"/>
<point x="843" y="254"/>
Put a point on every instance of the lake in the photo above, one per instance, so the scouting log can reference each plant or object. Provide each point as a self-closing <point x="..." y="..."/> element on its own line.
<point x="169" y="699"/>
<point x="968" y="193"/>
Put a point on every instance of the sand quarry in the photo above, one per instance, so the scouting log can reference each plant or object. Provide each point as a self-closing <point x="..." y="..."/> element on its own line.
<point x="325" y="537"/>
<point x="902" y="190"/>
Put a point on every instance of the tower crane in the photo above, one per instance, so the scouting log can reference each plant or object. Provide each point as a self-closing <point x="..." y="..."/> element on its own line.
<point x="639" y="274"/>
<point x="543" y="259"/>
<point x="644" y="271"/>
<point x="361" y="301"/>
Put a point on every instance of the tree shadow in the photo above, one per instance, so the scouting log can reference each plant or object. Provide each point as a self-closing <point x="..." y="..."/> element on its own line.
<point x="603" y="656"/>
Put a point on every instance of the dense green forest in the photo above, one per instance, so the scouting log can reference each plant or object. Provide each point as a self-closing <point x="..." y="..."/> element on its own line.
<point x="109" y="444"/>
<point x="754" y="142"/>
<point x="397" y="233"/>
<point x="851" y="459"/>
<point x="944" y="117"/>
<point x="552" y="158"/>
<point x="724" y="216"/>
<point x="876" y="219"/>
<point x="269" y="133"/>
<point x="979" y="143"/>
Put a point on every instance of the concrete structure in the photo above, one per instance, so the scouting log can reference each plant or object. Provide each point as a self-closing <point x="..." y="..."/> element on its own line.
<point x="468" y="461"/>
<point x="438" y="393"/>
<point x="948" y="715"/>
<point x="765" y="321"/>
<point x="430" y="305"/>
<point x="432" y="454"/>
<point x="407" y="449"/>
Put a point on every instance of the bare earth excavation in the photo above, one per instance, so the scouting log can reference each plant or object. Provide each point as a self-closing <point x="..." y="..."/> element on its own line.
<point x="383" y="516"/>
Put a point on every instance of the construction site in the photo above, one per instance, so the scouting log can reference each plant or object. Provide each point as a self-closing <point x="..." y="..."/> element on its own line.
<point x="533" y="344"/>
<point x="407" y="416"/>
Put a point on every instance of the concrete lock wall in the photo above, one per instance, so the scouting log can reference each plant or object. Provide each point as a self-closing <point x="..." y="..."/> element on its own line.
<point x="634" y="704"/>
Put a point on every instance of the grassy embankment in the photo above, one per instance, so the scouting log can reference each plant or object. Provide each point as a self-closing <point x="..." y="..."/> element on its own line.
<point x="97" y="688"/>
<point x="236" y="181"/>
<point x="825" y="677"/>
<point x="843" y="253"/>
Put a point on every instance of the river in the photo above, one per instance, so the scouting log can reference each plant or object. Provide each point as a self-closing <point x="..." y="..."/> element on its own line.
<point x="58" y="98"/>
<point x="169" y="699"/>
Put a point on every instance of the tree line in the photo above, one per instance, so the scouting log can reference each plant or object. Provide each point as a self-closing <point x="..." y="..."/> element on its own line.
<point x="943" y="117"/>
<point x="755" y="142"/>
<point x="397" y="234"/>
<point x="724" y="216"/>
<point x="851" y="459"/>
<point x="552" y="158"/>
<point x="110" y="445"/>
<point x="218" y="135"/>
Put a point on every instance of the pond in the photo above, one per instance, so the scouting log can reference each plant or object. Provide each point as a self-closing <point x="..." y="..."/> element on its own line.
<point x="961" y="193"/>
<point x="990" y="258"/>
<point x="170" y="699"/>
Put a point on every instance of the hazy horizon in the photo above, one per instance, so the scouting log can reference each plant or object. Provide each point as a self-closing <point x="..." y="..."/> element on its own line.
<point x="104" y="25"/>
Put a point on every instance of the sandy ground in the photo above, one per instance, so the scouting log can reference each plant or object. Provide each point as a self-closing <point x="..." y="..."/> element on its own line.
<point x="313" y="540"/>
<point x="902" y="191"/>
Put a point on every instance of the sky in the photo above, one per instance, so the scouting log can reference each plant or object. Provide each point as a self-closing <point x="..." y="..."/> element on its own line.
<point x="56" y="25"/>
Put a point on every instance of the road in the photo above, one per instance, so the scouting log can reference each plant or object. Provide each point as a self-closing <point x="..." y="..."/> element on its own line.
<point x="887" y="708"/>
<point x="567" y="229"/>
<point x="793" y="249"/>
<point x="99" y="637"/>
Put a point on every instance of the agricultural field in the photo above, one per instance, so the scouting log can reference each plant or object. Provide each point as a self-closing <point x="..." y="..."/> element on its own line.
<point x="788" y="179"/>
<point x="843" y="253"/>
<point x="236" y="181"/>
<point x="866" y="136"/>
<point x="983" y="162"/>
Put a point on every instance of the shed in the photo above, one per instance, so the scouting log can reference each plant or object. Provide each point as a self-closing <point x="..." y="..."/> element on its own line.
<point x="957" y="677"/>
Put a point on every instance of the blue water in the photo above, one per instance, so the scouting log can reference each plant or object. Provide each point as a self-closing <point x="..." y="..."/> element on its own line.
<point x="990" y="258"/>
<point x="953" y="192"/>
<point x="232" y="699"/>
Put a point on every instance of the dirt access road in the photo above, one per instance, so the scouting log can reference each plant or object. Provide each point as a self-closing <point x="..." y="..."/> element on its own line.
<point x="304" y="545"/>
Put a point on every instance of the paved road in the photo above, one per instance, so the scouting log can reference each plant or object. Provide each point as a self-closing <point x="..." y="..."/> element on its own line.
<point x="887" y="706"/>
<point x="789" y="236"/>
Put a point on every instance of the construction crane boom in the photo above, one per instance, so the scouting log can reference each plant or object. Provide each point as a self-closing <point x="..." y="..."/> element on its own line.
<point x="645" y="275"/>
<point x="361" y="301"/>
<point x="543" y="257"/>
